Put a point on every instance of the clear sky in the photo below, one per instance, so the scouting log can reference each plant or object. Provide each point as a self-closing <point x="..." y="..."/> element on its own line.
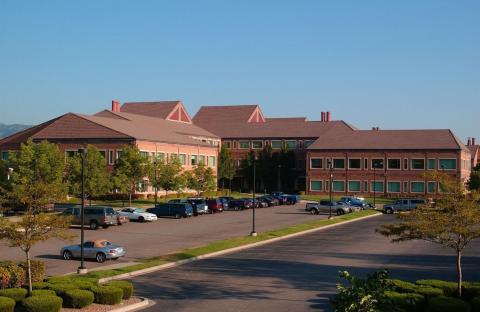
<point x="393" y="64"/>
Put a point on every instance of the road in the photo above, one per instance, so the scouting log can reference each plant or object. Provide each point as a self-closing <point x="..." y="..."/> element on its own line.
<point x="166" y="235"/>
<point x="298" y="274"/>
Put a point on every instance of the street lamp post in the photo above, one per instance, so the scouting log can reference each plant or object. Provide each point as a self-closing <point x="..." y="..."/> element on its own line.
<point x="279" y="183"/>
<point x="9" y="173"/>
<point x="330" y="167"/>
<point x="82" y="269"/>
<point x="254" y="233"/>
<point x="156" y="183"/>
<point x="374" y="186"/>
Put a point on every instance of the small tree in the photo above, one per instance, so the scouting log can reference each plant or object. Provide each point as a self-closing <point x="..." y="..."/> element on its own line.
<point x="474" y="181"/>
<point x="453" y="222"/>
<point x="131" y="168"/>
<point x="169" y="177"/>
<point x="201" y="179"/>
<point x="226" y="168"/>
<point x="97" y="176"/>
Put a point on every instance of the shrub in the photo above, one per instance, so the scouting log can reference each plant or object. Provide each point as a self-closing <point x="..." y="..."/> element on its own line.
<point x="16" y="294"/>
<point x="77" y="298"/>
<point x="476" y="304"/>
<point x="43" y="292"/>
<point x="60" y="289"/>
<point x="15" y="273"/>
<point x="471" y="290"/>
<point x="59" y="280"/>
<point x="402" y="286"/>
<point x="4" y="278"/>
<point x="7" y="304"/>
<point x="37" y="268"/>
<point x="428" y="291"/>
<point x="42" y="304"/>
<point x="447" y="304"/>
<point x="408" y="302"/>
<point x="107" y="294"/>
<point x="41" y="285"/>
<point x="449" y="288"/>
<point x="125" y="286"/>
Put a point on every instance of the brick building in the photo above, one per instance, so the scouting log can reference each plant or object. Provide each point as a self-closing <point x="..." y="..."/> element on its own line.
<point x="243" y="128"/>
<point x="161" y="129"/>
<point x="474" y="151"/>
<point x="387" y="162"/>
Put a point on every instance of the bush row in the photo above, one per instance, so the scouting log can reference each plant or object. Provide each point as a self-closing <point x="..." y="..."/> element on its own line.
<point x="13" y="274"/>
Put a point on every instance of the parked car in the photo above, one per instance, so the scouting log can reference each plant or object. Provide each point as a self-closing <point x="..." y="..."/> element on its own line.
<point x="99" y="250"/>
<point x="403" y="205"/>
<point x="215" y="205"/>
<point x="258" y="203"/>
<point x="225" y="202"/>
<point x="356" y="201"/>
<point x="199" y="205"/>
<point x="266" y="200"/>
<point x="239" y="204"/>
<point x="291" y="199"/>
<point x="121" y="219"/>
<point x="227" y="198"/>
<point x="282" y="200"/>
<point x="324" y="207"/>
<point x="176" y="210"/>
<point x="138" y="214"/>
<point x="94" y="216"/>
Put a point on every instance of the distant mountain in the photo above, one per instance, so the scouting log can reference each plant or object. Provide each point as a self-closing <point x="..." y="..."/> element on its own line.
<point x="6" y="130"/>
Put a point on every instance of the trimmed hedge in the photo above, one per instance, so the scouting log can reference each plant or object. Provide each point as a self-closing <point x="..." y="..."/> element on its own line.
<point x="43" y="292"/>
<point x="37" y="267"/>
<point x="428" y="291"/>
<point x="7" y="304"/>
<point x="77" y="298"/>
<point x="447" y="304"/>
<point x="107" y="294"/>
<point x="60" y="289"/>
<point x="449" y="288"/>
<point x="17" y="294"/>
<point x="12" y="273"/>
<point x="406" y="302"/>
<point x="471" y="290"/>
<point x="41" y="285"/>
<point x="125" y="286"/>
<point x="402" y="286"/>
<point x="476" y="304"/>
<point x="42" y="304"/>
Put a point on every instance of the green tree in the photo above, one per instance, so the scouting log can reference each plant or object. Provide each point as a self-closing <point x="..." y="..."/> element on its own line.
<point x="168" y="176"/>
<point x="201" y="178"/>
<point x="97" y="176"/>
<point x="453" y="222"/>
<point x="131" y="168"/>
<point x="474" y="181"/>
<point x="226" y="168"/>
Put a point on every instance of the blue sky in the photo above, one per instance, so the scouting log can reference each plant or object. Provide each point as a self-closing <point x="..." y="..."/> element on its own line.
<point x="393" y="64"/>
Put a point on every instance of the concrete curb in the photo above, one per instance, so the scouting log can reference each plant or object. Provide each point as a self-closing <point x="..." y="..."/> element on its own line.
<point x="227" y="251"/>
<point x="133" y="307"/>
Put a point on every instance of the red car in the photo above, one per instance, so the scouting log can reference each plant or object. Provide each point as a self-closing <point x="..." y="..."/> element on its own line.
<point x="214" y="205"/>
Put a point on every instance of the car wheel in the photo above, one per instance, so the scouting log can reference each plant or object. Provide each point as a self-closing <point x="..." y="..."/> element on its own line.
<point x="389" y="211"/>
<point x="178" y="216"/>
<point x="67" y="255"/>
<point x="141" y="219"/>
<point x="100" y="257"/>
<point x="313" y="211"/>
<point x="340" y="212"/>
<point x="93" y="225"/>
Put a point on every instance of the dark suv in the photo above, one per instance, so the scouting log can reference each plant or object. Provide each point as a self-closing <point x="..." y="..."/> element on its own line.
<point x="94" y="216"/>
<point x="215" y="205"/>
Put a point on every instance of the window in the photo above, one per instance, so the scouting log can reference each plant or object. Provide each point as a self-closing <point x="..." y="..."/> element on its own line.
<point x="316" y="163"/>
<point x="339" y="186"/>
<point x="244" y="144"/>
<point x="182" y="158"/>
<point x="201" y="159"/>
<point x="393" y="187"/>
<point x="228" y="144"/>
<point x="405" y="187"/>
<point x="447" y="164"/>
<point x="144" y="154"/>
<point x="104" y="154"/>
<point x="173" y="157"/>
<point x="431" y="186"/>
<point x="211" y="161"/>
<point x="276" y="144"/>
<point x="119" y="154"/>
<point x="193" y="160"/>
<point x="377" y="163"/>
<point x="5" y="155"/>
<point x="307" y="143"/>
<point x="327" y="185"/>
<point x="257" y="144"/>
<point x="161" y="157"/>
<point x="354" y="163"/>
<point x="394" y="163"/>
<point x="431" y="164"/>
<point x="418" y="187"/>
<point x="338" y="163"/>
<point x="354" y="186"/>
<point x="111" y="161"/>
<point x="365" y="186"/>
<point x="418" y="164"/>
<point x="377" y="186"/>
<point x="68" y="154"/>
<point x="291" y="144"/>
<point x="316" y="185"/>
<point x="405" y="164"/>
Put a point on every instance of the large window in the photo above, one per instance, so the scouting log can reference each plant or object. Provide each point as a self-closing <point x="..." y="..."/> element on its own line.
<point x="377" y="163"/>
<point x="447" y="164"/>
<point x="417" y="187"/>
<point x="339" y="163"/>
<point x="418" y="164"/>
<point x="431" y="187"/>
<point x="193" y="160"/>
<point x="257" y="144"/>
<point x="316" y="185"/>
<point x="182" y="158"/>
<point x="291" y="144"/>
<point x="339" y="186"/>
<point x="68" y="154"/>
<point x="201" y="159"/>
<point x="316" y="163"/>
<point x="276" y="144"/>
<point x="161" y="156"/>
<point x="144" y="154"/>
<point x="111" y="161"/>
<point x="393" y="187"/>
<point x="228" y="144"/>
<point x="377" y="187"/>
<point x="4" y="155"/>
<point x="394" y="163"/>
<point x="211" y="161"/>
<point x="243" y="144"/>
<point x="431" y="164"/>
<point x="354" y="163"/>
<point x="354" y="186"/>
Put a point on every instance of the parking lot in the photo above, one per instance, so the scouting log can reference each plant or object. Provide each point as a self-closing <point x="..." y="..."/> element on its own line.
<point x="166" y="235"/>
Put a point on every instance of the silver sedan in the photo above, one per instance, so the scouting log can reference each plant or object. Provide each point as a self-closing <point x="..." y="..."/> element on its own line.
<point x="100" y="250"/>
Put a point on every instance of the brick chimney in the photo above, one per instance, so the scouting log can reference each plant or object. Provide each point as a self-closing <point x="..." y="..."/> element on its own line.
<point x="469" y="142"/>
<point x="115" y="106"/>
<point x="322" y="118"/>
<point x="473" y="141"/>
<point x="329" y="116"/>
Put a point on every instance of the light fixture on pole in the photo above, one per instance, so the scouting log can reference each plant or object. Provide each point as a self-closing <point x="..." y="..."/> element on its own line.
<point x="254" y="233"/>
<point x="9" y="173"/>
<point x="82" y="269"/>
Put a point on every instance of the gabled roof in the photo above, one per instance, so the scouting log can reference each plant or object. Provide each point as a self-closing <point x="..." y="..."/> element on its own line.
<point x="170" y="110"/>
<point x="389" y="140"/>
<point x="240" y="113"/>
<point x="474" y="150"/>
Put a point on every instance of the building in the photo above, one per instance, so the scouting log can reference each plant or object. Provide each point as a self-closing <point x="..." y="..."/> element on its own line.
<point x="244" y="128"/>
<point x="158" y="129"/>
<point x="474" y="151"/>
<point x="386" y="162"/>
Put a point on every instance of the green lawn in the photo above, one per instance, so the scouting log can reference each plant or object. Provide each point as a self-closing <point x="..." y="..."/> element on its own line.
<point x="226" y="244"/>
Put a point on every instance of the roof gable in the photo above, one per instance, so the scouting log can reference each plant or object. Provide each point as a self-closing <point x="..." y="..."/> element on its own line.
<point x="169" y="110"/>
<point x="257" y="115"/>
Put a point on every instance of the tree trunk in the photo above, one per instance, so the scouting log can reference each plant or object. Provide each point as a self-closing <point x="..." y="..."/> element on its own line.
<point x="29" y="273"/>
<point x="166" y="195"/>
<point x="223" y="185"/>
<point x="459" y="273"/>
<point x="130" y="198"/>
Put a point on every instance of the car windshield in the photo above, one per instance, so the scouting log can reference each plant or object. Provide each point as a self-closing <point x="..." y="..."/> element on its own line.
<point x="139" y="210"/>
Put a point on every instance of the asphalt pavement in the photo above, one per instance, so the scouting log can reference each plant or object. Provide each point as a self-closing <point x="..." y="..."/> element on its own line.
<point x="298" y="274"/>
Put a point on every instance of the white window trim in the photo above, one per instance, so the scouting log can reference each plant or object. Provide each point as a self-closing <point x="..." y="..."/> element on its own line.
<point x="435" y="160"/>
<point x="312" y="190"/>
<point x="405" y="190"/>
<point x="348" y="163"/>
<point x="257" y="148"/>
<point x="365" y="159"/>
<point x="205" y="159"/>
<point x="271" y="144"/>
<point x="435" y="190"/>
<point x="344" y="186"/>
<point x="244" y="148"/>
<point x="372" y="187"/>
<point x="440" y="168"/>
<point x="111" y="160"/>
<point x="311" y="163"/>
<point x="403" y="164"/>
<point x="411" y="164"/>
<point x="228" y="141"/>
<point x="394" y="181"/>
<point x="348" y="185"/>
<point x="399" y="158"/>
<point x="209" y="158"/>
<point x="185" y="158"/>
<point x="344" y="163"/>
<point x="371" y="163"/>
<point x="411" y="187"/>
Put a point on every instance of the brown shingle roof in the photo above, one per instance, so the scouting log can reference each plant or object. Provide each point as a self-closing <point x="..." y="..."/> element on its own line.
<point x="212" y="114"/>
<point x="388" y="140"/>
<point x="474" y="149"/>
<point x="159" y="109"/>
